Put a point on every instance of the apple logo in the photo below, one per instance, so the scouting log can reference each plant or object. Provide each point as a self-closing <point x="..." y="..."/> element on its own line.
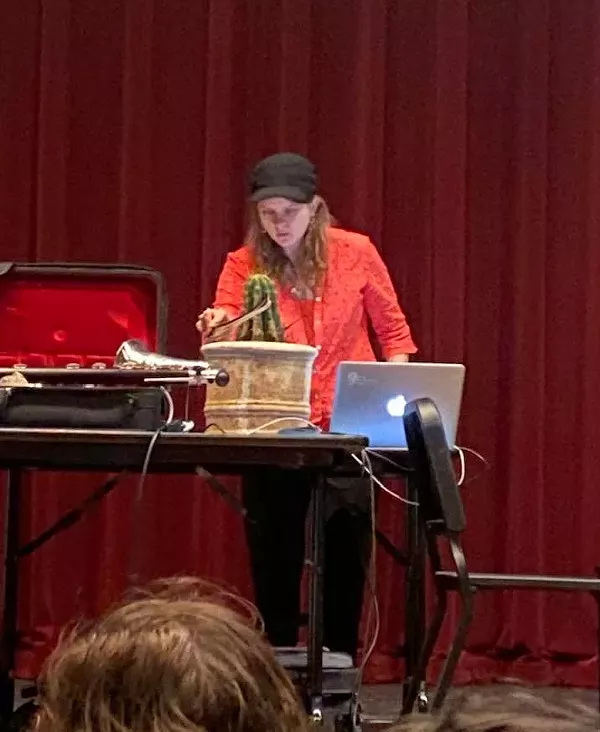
<point x="396" y="406"/>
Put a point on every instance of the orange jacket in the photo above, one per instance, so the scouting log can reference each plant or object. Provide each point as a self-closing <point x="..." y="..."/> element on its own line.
<point x="357" y="289"/>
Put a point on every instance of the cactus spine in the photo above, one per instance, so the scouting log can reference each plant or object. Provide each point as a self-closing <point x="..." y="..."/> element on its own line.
<point x="266" y="326"/>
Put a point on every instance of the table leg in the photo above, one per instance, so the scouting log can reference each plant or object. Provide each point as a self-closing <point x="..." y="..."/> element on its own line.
<point x="315" y="609"/>
<point x="8" y="640"/>
<point x="415" y="586"/>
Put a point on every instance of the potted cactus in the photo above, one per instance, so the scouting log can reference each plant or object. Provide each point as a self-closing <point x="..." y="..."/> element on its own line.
<point x="269" y="384"/>
<point x="266" y="326"/>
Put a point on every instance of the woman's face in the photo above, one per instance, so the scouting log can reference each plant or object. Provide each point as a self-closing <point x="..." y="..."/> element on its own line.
<point x="284" y="221"/>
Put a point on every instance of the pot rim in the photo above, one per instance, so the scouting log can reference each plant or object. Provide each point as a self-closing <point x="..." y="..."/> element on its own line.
<point x="253" y="346"/>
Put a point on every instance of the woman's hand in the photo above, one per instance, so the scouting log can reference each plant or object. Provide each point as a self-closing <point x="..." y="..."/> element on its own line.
<point x="210" y="318"/>
<point x="399" y="358"/>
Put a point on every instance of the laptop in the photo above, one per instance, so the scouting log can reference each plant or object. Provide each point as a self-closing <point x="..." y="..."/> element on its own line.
<point x="370" y="398"/>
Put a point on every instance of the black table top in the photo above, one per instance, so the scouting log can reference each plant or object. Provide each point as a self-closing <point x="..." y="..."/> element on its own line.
<point x="110" y="450"/>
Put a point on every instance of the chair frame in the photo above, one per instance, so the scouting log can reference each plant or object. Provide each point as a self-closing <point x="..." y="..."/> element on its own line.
<point x="442" y="519"/>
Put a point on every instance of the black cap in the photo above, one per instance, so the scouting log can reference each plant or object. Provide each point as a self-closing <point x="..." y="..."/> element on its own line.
<point x="286" y="175"/>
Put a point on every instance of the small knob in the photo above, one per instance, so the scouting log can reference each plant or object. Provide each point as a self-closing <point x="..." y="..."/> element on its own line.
<point x="222" y="378"/>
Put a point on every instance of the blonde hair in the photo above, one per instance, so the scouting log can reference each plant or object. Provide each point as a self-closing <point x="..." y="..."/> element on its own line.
<point x="180" y="656"/>
<point x="271" y="260"/>
<point x="518" y="711"/>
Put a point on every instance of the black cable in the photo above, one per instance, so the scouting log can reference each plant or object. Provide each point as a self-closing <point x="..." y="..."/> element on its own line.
<point x="76" y="514"/>
<point x="220" y="489"/>
<point x="70" y="518"/>
<point x="135" y="555"/>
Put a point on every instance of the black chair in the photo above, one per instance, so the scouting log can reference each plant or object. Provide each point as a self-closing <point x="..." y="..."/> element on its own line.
<point x="442" y="519"/>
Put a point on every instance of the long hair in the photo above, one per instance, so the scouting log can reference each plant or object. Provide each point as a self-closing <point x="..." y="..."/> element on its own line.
<point x="184" y="657"/>
<point x="270" y="258"/>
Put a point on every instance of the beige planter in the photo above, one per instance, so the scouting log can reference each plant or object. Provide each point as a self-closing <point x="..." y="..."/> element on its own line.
<point x="267" y="381"/>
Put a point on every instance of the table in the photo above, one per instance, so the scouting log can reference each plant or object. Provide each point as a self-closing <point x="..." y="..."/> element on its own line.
<point x="117" y="450"/>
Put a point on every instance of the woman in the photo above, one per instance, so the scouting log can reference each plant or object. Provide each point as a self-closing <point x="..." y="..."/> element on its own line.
<point x="330" y="284"/>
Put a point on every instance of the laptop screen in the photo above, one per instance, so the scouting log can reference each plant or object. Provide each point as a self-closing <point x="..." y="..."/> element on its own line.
<point x="370" y="398"/>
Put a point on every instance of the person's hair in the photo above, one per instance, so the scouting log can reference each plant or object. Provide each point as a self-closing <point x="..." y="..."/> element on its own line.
<point x="270" y="258"/>
<point x="180" y="656"/>
<point x="513" y="712"/>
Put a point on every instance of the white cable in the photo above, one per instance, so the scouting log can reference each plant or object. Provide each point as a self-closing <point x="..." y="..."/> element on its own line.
<point x="374" y="608"/>
<point x="463" y="470"/>
<point x="373" y="644"/>
<point x="478" y="455"/>
<point x="365" y="463"/>
<point x="171" y="406"/>
<point x="463" y="466"/>
<point x="303" y="422"/>
<point x="387" y="459"/>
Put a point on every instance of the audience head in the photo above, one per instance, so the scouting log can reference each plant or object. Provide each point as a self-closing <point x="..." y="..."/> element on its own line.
<point x="516" y="711"/>
<point x="180" y="656"/>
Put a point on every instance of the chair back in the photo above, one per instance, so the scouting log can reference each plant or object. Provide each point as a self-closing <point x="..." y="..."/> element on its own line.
<point x="440" y="503"/>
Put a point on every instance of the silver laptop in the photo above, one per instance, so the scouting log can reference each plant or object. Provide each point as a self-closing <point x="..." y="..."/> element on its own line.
<point x="370" y="398"/>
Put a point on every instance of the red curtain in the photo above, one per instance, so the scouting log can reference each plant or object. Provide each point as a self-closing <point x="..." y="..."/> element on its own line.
<point x="464" y="136"/>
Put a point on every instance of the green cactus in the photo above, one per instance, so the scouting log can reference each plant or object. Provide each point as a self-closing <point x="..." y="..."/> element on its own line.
<point x="266" y="326"/>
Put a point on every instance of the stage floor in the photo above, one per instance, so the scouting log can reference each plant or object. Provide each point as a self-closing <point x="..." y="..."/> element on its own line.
<point x="381" y="702"/>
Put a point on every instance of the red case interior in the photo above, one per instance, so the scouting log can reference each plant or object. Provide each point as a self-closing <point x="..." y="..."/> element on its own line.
<point x="54" y="315"/>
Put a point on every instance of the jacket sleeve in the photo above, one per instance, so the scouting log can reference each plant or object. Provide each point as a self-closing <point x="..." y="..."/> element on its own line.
<point x="230" y="286"/>
<point x="382" y="307"/>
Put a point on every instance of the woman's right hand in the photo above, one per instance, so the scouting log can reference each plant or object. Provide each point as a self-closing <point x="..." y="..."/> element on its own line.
<point x="210" y="318"/>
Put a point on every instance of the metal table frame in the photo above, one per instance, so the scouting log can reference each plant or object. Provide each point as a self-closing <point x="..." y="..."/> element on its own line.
<point x="112" y="450"/>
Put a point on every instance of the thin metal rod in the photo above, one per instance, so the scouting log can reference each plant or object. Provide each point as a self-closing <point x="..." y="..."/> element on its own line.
<point x="8" y="622"/>
<point x="315" y="610"/>
<point x="415" y="586"/>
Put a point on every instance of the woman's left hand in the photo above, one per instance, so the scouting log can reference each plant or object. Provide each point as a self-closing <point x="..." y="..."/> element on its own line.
<point x="399" y="358"/>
